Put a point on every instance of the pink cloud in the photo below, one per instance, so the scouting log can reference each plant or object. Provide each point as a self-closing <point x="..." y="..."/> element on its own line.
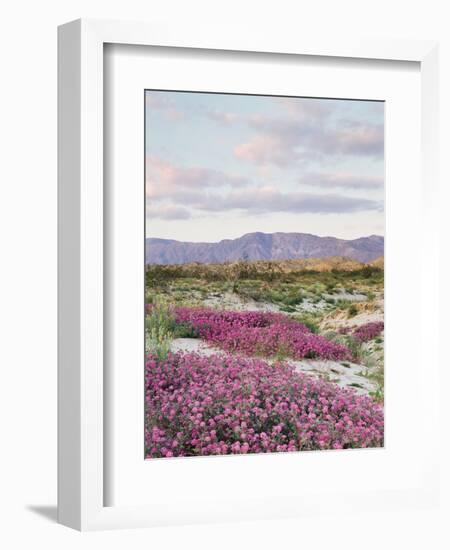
<point x="174" y="192"/>
<point x="156" y="101"/>
<point x="310" y="131"/>
<point x="165" y="179"/>
<point x="361" y="139"/>
<point x="264" y="149"/>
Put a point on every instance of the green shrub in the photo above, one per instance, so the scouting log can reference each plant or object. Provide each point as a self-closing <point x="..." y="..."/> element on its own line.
<point x="352" y="311"/>
<point x="159" y="326"/>
<point x="287" y="309"/>
<point x="292" y="299"/>
<point x="310" y="321"/>
<point x="185" y="330"/>
<point x="355" y="346"/>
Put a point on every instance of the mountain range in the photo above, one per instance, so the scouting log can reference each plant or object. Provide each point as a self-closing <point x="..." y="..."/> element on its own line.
<point x="263" y="246"/>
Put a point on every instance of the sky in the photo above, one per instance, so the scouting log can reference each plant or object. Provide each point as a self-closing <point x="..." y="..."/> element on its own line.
<point x="219" y="166"/>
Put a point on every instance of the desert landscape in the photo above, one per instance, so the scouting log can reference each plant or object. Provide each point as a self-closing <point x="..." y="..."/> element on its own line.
<point x="217" y="332"/>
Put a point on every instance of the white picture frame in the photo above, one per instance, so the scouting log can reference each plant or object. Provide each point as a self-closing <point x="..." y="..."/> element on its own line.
<point x="81" y="360"/>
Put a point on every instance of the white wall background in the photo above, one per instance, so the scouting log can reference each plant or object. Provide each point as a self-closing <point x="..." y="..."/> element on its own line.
<point x="28" y="270"/>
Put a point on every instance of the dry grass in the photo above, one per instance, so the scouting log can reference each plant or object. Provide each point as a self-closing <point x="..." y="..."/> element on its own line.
<point x="268" y="270"/>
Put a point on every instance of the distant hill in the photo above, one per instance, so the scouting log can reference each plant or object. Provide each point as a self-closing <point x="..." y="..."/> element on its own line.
<point x="263" y="246"/>
<point x="378" y="262"/>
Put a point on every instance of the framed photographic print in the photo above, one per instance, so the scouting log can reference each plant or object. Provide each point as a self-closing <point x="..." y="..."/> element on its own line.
<point x="236" y="336"/>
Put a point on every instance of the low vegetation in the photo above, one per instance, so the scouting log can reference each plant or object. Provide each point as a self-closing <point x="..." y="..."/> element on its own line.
<point x="255" y="333"/>
<point x="198" y="405"/>
<point x="258" y="319"/>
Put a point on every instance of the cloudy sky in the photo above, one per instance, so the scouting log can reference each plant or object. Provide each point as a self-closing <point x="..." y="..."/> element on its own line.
<point x="219" y="166"/>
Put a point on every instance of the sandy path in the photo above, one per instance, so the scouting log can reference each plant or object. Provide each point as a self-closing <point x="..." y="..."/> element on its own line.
<point x="345" y="374"/>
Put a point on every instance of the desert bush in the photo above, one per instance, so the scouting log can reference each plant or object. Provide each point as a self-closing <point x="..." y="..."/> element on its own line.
<point x="158" y="342"/>
<point x="354" y="345"/>
<point x="287" y="309"/>
<point x="159" y="325"/>
<point x="309" y="320"/>
<point x="292" y="299"/>
<point x="185" y="330"/>
<point x="352" y="311"/>
<point x="262" y="270"/>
